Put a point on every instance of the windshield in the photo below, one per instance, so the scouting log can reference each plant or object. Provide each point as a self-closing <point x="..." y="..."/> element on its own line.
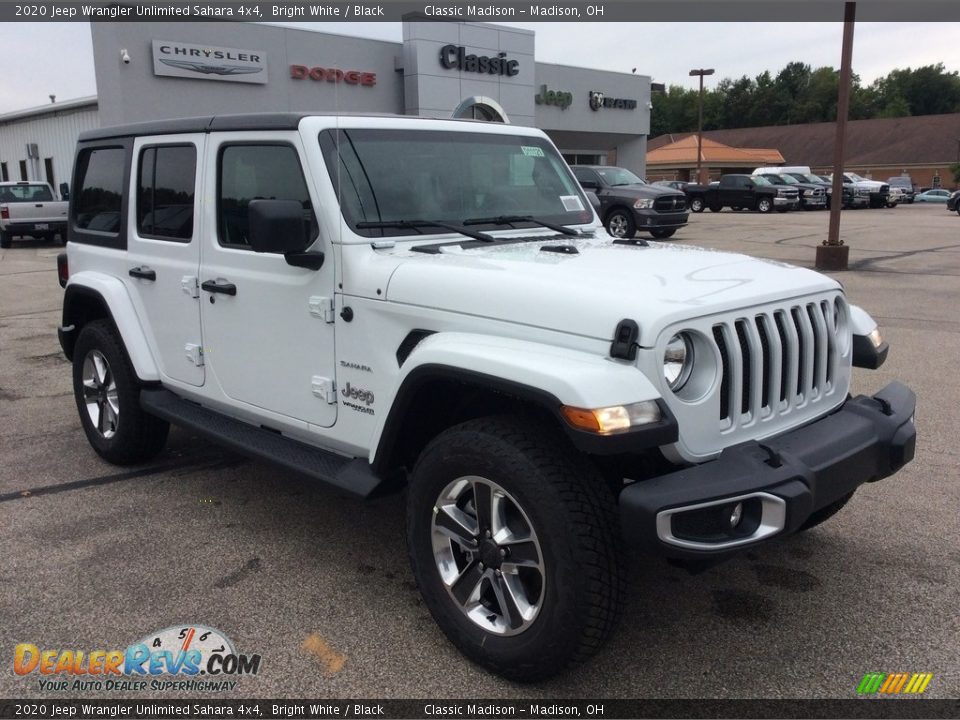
<point x="757" y="180"/>
<point x="618" y="176"/>
<point x="789" y="180"/>
<point x="855" y="178"/>
<point x="389" y="175"/>
<point x="25" y="193"/>
<point x="810" y="178"/>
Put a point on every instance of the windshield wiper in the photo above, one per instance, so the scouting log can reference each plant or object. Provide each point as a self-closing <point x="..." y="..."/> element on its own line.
<point x="512" y="219"/>
<point x="418" y="224"/>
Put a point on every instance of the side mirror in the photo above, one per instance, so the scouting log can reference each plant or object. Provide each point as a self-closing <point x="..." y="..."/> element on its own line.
<point x="594" y="200"/>
<point x="589" y="185"/>
<point x="278" y="226"/>
<point x="64" y="191"/>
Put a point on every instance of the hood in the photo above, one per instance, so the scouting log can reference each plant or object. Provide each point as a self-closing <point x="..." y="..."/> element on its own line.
<point x="588" y="293"/>
<point x="645" y="191"/>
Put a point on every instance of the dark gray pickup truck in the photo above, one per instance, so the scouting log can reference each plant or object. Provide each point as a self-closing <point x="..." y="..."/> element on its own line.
<point x="739" y="192"/>
<point x="628" y="204"/>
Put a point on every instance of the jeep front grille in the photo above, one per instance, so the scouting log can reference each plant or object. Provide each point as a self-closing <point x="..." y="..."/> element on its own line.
<point x="775" y="360"/>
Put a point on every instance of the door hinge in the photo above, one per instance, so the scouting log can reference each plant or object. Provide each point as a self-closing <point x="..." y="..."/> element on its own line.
<point x="194" y="353"/>
<point x="190" y="284"/>
<point x="324" y="388"/>
<point x="321" y="307"/>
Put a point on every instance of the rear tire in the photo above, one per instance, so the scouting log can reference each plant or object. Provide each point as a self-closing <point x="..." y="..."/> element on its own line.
<point x="107" y="393"/>
<point x="825" y="513"/>
<point x="553" y="515"/>
<point x="716" y="208"/>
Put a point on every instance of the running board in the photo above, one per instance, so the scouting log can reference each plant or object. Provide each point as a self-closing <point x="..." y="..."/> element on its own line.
<point x="352" y="475"/>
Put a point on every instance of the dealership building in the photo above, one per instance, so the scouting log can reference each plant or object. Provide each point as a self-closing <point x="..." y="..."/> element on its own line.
<point x="157" y="70"/>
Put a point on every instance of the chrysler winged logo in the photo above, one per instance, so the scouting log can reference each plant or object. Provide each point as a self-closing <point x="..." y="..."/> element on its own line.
<point x="596" y="100"/>
<point x="207" y="69"/>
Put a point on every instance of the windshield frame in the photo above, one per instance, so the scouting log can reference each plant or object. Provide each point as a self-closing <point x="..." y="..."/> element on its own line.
<point x="605" y="171"/>
<point x="354" y="214"/>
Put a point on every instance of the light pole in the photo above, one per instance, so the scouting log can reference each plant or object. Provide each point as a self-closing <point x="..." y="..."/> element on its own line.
<point x="693" y="73"/>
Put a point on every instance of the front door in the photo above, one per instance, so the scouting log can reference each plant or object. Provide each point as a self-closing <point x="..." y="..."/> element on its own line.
<point x="163" y="251"/>
<point x="268" y="339"/>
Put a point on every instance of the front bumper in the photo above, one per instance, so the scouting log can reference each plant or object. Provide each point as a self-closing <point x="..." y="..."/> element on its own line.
<point x="777" y="482"/>
<point x="792" y="203"/>
<point x="818" y="201"/>
<point x="649" y="218"/>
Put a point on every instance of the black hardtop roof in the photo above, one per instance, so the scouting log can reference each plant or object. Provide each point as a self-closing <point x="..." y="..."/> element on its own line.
<point x="223" y="123"/>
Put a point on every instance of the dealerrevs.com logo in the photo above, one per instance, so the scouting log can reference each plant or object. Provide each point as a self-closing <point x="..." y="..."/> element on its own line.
<point x="180" y="657"/>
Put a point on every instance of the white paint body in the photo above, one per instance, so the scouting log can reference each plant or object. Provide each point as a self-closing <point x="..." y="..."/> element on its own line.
<point x="544" y="320"/>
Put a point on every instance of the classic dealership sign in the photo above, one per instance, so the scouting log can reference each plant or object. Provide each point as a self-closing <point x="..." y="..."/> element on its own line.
<point x="207" y="62"/>
<point x="456" y="57"/>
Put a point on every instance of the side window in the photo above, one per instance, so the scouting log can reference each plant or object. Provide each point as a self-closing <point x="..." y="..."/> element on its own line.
<point x="253" y="172"/>
<point x="585" y="175"/>
<point x="100" y="173"/>
<point x="165" y="189"/>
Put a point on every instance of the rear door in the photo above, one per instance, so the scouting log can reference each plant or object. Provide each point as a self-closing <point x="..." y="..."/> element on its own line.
<point x="163" y="251"/>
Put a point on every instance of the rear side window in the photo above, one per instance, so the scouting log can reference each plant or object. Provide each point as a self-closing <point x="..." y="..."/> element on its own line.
<point x="252" y="172"/>
<point x="100" y="174"/>
<point x="25" y="193"/>
<point x="165" y="192"/>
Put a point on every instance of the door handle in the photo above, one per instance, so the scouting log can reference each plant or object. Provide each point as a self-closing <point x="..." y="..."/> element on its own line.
<point x="143" y="273"/>
<point x="219" y="286"/>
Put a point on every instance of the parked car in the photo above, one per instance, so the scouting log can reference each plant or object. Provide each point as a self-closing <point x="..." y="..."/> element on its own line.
<point x="905" y="183"/>
<point x="853" y="196"/>
<point x="628" y="204"/>
<point x="897" y="196"/>
<point x="936" y="195"/>
<point x="742" y="192"/>
<point x="812" y="195"/>
<point x="878" y="190"/>
<point x="451" y="320"/>
<point x="31" y="208"/>
<point x="953" y="202"/>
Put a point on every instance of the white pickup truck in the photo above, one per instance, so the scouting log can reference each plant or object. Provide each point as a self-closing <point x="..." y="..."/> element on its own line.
<point x="31" y="208"/>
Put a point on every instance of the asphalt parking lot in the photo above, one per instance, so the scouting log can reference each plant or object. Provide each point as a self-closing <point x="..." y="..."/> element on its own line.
<point x="96" y="557"/>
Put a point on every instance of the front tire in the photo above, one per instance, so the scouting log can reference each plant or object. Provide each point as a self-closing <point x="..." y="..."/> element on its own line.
<point x="696" y="205"/>
<point x="107" y="393"/>
<point x="620" y="224"/>
<point x="514" y="543"/>
<point x="663" y="233"/>
<point x="764" y="205"/>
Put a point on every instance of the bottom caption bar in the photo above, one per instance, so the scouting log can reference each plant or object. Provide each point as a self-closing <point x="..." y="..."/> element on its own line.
<point x="454" y="709"/>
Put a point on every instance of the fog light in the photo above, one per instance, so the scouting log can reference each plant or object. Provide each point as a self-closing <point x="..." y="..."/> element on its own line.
<point x="736" y="515"/>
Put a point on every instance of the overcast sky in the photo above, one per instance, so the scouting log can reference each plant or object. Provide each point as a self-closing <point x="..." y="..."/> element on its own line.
<point x="57" y="58"/>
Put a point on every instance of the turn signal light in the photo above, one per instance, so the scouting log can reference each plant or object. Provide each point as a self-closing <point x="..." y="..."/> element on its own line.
<point x="608" y="420"/>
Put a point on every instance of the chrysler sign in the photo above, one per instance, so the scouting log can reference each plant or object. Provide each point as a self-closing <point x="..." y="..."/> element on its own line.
<point x="207" y="62"/>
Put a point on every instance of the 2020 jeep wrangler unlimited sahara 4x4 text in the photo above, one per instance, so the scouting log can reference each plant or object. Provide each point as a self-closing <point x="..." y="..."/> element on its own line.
<point x="390" y="302"/>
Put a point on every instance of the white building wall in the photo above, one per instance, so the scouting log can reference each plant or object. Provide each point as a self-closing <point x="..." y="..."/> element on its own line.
<point x="55" y="134"/>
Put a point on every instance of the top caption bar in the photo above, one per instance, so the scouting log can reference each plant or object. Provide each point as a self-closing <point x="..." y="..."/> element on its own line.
<point x="484" y="11"/>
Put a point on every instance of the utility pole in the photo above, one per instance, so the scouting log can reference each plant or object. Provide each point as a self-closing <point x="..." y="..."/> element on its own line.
<point x="833" y="254"/>
<point x="693" y="73"/>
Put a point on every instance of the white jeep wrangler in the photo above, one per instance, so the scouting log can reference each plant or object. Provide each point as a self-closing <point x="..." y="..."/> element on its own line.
<point x="390" y="302"/>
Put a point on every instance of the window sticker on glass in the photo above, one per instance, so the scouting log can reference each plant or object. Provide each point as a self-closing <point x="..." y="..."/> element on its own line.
<point x="571" y="203"/>
<point x="532" y="150"/>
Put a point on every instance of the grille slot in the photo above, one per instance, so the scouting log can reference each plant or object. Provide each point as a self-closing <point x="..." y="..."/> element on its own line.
<point x="670" y="203"/>
<point x="775" y="361"/>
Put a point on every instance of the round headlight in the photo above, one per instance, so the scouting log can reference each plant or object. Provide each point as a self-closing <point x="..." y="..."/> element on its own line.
<point x="678" y="361"/>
